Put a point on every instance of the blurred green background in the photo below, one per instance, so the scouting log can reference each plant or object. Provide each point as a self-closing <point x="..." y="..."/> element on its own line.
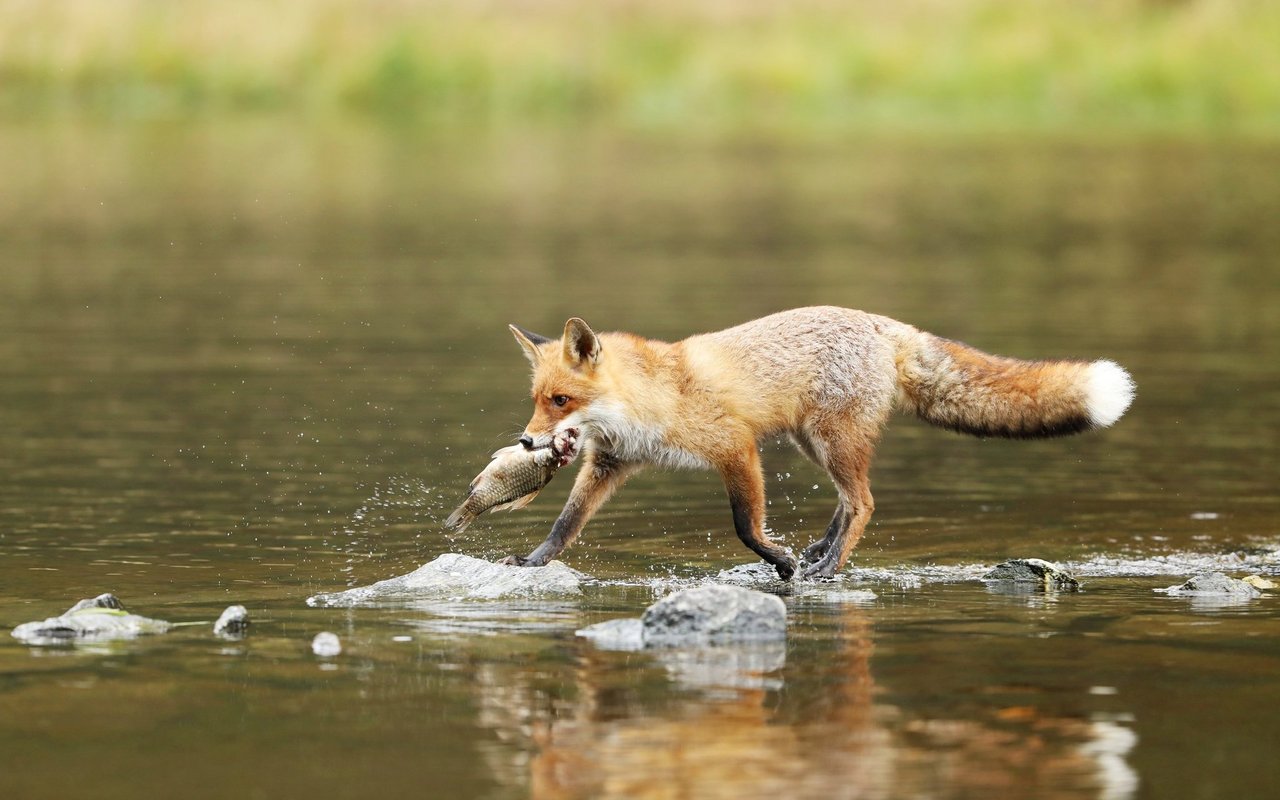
<point x="1197" y="66"/>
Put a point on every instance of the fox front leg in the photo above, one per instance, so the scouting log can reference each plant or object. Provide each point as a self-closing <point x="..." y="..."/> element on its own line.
<point x="600" y="477"/>
<point x="745" y="484"/>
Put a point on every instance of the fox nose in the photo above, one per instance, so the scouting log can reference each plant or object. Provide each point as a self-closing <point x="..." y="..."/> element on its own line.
<point x="527" y="441"/>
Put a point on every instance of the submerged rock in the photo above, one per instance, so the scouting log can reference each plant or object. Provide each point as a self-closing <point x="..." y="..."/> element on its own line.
<point x="1214" y="584"/>
<point x="98" y="619"/>
<point x="699" y="615"/>
<point x="1037" y="571"/>
<point x="233" y="622"/>
<point x="456" y="576"/>
<point x="1259" y="582"/>
<point x="326" y="645"/>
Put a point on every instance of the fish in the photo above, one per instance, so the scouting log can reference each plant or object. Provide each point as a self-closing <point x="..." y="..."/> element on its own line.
<point x="513" y="478"/>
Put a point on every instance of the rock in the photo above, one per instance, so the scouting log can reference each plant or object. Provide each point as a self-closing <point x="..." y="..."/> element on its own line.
<point x="1259" y="582"/>
<point x="326" y="645"/>
<point x="707" y="636"/>
<point x="756" y="573"/>
<point x="762" y="575"/>
<point x="714" y="613"/>
<point x="101" y="618"/>
<point x="616" y="634"/>
<point x="699" y="615"/>
<point x="455" y="576"/>
<point x="841" y="596"/>
<point x="1214" y="584"/>
<point x="234" y="622"/>
<point x="1037" y="571"/>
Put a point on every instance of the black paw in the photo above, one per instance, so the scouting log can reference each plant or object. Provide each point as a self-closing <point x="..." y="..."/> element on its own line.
<point x="814" y="552"/>
<point x="823" y="570"/>
<point x="514" y="561"/>
<point x="786" y="568"/>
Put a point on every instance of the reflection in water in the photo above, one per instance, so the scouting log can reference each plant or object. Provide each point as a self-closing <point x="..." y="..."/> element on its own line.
<point x="739" y="729"/>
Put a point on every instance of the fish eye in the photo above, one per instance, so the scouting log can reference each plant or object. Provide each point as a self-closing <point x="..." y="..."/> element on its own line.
<point x="560" y="399"/>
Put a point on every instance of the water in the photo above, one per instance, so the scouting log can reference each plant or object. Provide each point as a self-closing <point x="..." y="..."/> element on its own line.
<point x="246" y="363"/>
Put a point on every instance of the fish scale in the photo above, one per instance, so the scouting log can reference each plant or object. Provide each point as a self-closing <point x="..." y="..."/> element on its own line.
<point x="513" y="478"/>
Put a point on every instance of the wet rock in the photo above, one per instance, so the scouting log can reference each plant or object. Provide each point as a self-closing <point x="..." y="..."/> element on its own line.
<point x="699" y="615"/>
<point x="616" y="634"/>
<point x="757" y="573"/>
<point x="1214" y="584"/>
<point x="455" y="576"/>
<point x="707" y="636"/>
<point x="1259" y="582"/>
<point x="1036" y="571"/>
<point x="840" y="596"/>
<point x="101" y="618"/>
<point x="326" y="645"/>
<point x="714" y="613"/>
<point x="234" y="622"/>
<point x="763" y="575"/>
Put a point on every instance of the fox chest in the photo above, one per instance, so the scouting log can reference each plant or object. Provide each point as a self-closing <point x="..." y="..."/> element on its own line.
<point x="641" y="443"/>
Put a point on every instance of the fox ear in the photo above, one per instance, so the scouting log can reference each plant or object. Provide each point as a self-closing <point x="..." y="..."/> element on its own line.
<point x="581" y="345"/>
<point x="529" y="342"/>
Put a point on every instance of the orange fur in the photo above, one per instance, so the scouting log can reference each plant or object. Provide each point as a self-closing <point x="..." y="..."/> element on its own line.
<point x="827" y="377"/>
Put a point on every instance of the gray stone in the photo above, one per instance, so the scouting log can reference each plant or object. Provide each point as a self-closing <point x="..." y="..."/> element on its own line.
<point x="707" y="636"/>
<point x="454" y="576"/>
<point x="1214" y="584"/>
<point x="700" y="615"/>
<point x="714" y="613"/>
<point x="234" y="622"/>
<point x="326" y="645"/>
<point x="616" y="634"/>
<point x="1035" y="571"/>
<point x="101" y="618"/>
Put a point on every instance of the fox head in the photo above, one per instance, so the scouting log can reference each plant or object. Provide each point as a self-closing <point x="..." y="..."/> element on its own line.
<point x="566" y="374"/>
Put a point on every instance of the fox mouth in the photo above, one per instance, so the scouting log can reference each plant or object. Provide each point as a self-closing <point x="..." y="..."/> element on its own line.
<point x="564" y="446"/>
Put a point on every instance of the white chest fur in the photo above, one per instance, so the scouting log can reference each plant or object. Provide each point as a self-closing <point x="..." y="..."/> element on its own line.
<point x="634" y="441"/>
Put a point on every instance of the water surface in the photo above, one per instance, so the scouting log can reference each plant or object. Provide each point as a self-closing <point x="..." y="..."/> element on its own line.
<point x="247" y="363"/>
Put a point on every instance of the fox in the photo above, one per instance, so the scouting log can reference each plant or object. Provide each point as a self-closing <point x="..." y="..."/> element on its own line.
<point x="826" y="377"/>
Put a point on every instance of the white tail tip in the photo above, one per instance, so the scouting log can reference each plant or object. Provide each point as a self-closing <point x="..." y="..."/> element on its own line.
<point x="1110" y="392"/>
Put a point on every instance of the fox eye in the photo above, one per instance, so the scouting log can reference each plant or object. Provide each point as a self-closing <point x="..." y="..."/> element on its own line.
<point x="560" y="399"/>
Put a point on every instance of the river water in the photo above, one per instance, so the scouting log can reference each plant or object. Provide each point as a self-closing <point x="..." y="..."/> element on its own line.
<point x="246" y="363"/>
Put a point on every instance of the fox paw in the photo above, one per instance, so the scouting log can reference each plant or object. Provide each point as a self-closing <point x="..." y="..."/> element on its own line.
<point x="785" y="567"/>
<point x="814" y="552"/>
<point x="825" y="569"/>
<point x="565" y="445"/>
<point x="513" y="561"/>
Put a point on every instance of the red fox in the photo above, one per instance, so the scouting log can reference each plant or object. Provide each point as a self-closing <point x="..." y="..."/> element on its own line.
<point x="827" y="377"/>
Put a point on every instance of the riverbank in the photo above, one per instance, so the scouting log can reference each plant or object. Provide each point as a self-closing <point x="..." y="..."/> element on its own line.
<point x="1205" y="67"/>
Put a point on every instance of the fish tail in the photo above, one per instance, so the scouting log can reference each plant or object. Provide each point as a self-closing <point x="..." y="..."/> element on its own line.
<point x="459" y="520"/>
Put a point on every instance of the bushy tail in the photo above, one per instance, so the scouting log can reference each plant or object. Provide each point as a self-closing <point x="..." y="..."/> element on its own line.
<point x="962" y="388"/>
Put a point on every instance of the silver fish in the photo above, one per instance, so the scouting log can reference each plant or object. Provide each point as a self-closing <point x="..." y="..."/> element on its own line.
<point x="513" y="478"/>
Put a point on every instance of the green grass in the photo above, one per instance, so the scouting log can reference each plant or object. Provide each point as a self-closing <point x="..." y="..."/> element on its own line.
<point x="1206" y="66"/>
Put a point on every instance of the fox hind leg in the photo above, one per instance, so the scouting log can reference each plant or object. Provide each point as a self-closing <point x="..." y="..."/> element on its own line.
<point x="815" y="551"/>
<point x="815" y="450"/>
<point x="847" y="459"/>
